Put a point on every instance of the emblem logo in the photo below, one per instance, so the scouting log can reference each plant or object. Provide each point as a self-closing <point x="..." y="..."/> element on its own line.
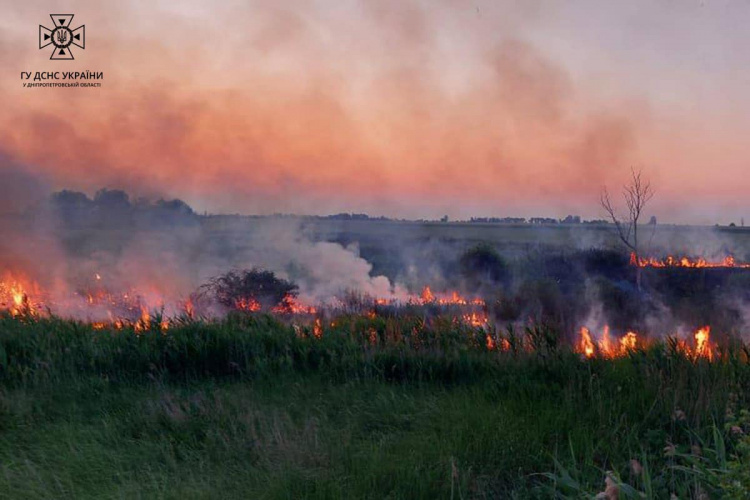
<point x="61" y="36"/>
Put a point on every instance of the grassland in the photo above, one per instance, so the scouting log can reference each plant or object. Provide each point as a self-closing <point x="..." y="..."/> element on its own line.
<point x="251" y="407"/>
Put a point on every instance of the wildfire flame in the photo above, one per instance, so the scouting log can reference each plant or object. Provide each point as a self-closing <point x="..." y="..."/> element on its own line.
<point x="23" y="297"/>
<point x="586" y="345"/>
<point x="289" y="305"/>
<point x="490" y="342"/>
<point x="318" y="328"/>
<point x="452" y="298"/>
<point x="671" y="261"/>
<point x="476" y="320"/>
<point x="606" y="347"/>
<point x="630" y="341"/>
<point x="15" y="295"/>
<point x="249" y="305"/>
<point x="703" y="348"/>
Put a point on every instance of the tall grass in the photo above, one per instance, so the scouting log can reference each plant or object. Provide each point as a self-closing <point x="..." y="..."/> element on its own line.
<point x="367" y="407"/>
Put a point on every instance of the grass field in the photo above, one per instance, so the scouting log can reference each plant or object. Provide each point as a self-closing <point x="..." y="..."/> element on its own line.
<point x="250" y="407"/>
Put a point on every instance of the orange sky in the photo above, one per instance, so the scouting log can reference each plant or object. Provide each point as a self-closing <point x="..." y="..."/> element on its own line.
<point x="395" y="107"/>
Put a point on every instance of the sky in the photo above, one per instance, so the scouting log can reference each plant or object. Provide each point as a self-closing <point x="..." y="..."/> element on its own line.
<point x="402" y="108"/>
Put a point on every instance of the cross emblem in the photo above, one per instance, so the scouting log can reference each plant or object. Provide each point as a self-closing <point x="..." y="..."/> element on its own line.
<point x="61" y="36"/>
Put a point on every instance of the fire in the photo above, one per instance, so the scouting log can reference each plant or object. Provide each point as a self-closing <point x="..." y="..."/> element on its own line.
<point x="249" y="305"/>
<point x="493" y="343"/>
<point x="605" y="344"/>
<point x="606" y="347"/>
<point x="289" y="305"/>
<point x="453" y="298"/>
<point x="476" y="320"/>
<point x="586" y="345"/>
<point x="189" y="309"/>
<point x="629" y="341"/>
<point x="490" y="342"/>
<point x="703" y="348"/>
<point x="104" y="309"/>
<point x="16" y="296"/>
<point x="144" y="323"/>
<point x="699" y="263"/>
<point x="318" y="328"/>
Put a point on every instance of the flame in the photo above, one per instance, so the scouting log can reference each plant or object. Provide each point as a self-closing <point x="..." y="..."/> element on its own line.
<point x="318" y="328"/>
<point x="671" y="261"/>
<point x="20" y="296"/>
<point x="476" y="320"/>
<point x="586" y="345"/>
<point x="606" y="347"/>
<point x="629" y="342"/>
<point x="289" y="305"/>
<point x="703" y="348"/>
<point x="490" y="342"/>
<point x="452" y="298"/>
<point x="427" y="295"/>
<point x="189" y="309"/>
<point x="144" y="322"/>
<point x="16" y="296"/>
<point x="247" y="304"/>
<point x="605" y="344"/>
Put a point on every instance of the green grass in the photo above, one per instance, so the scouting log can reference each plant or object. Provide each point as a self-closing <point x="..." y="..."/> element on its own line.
<point x="250" y="408"/>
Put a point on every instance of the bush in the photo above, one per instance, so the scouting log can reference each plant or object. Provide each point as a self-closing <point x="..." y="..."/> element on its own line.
<point x="254" y="286"/>
<point x="482" y="265"/>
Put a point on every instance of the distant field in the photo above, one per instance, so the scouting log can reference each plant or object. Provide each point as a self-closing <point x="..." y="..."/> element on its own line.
<point x="671" y="237"/>
<point x="390" y="245"/>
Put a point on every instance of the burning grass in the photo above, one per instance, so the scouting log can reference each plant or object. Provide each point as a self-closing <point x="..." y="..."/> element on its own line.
<point x="403" y="344"/>
<point x="687" y="262"/>
<point x="423" y="315"/>
<point x="414" y="396"/>
<point x="400" y="405"/>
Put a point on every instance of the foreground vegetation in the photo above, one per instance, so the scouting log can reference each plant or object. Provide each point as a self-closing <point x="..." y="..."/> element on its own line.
<point x="399" y="407"/>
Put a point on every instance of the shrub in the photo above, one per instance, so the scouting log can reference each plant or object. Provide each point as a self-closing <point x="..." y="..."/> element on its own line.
<point x="482" y="265"/>
<point x="249" y="286"/>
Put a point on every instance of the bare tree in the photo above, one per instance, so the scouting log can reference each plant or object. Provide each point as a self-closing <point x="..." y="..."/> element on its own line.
<point x="636" y="193"/>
